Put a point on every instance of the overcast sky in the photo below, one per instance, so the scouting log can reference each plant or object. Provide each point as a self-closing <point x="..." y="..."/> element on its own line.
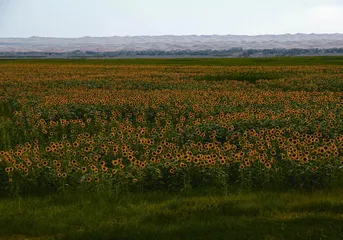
<point x="77" y="18"/>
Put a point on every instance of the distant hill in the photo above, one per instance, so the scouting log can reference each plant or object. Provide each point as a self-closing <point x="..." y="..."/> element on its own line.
<point x="171" y="43"/>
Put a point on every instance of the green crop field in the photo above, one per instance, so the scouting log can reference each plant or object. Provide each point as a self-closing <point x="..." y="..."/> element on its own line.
<point x="248" y="148"/>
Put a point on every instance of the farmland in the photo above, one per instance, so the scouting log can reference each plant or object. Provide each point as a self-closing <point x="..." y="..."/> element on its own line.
<point x="180" y="127"/>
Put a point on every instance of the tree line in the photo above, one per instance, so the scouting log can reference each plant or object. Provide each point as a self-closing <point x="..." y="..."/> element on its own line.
<point x="232" y="52"/>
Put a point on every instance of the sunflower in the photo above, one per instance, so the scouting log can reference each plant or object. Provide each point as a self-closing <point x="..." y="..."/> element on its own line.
<point x="305" y="159"/>
<point x="268" y="165"/>
<point x="93" y="168"/>
<point x="222" y="161"/>
<point x="314" y="169"/>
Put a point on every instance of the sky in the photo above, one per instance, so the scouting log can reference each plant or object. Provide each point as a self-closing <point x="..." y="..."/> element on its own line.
<point x="99" y="18"/>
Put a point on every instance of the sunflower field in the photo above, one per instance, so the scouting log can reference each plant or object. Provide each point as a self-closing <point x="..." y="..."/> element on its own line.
<point x="101" y="124"/>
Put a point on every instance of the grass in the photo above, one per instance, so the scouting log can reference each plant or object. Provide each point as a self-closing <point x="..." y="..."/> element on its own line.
<point x="160" y="215"/>
<point x="273" y="61"/>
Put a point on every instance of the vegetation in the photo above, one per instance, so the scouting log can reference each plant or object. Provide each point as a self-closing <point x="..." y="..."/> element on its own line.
<point x="250" y="146"/>
<point x="233" y="52"/>
<point x="275" y="61"/>
<point x="186" y="215"/>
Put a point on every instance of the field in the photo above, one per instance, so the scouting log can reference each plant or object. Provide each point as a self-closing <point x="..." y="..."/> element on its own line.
<point x="240" y="148"/>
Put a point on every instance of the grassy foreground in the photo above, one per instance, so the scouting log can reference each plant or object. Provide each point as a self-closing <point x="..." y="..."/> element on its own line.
<point x="160" y="215"/>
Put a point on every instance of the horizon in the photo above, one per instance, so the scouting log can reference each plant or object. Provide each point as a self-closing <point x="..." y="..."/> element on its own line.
<point x="174" y="35"/>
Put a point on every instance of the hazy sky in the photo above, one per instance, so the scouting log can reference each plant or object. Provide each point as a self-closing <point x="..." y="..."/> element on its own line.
<point x="76" y="18"/>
